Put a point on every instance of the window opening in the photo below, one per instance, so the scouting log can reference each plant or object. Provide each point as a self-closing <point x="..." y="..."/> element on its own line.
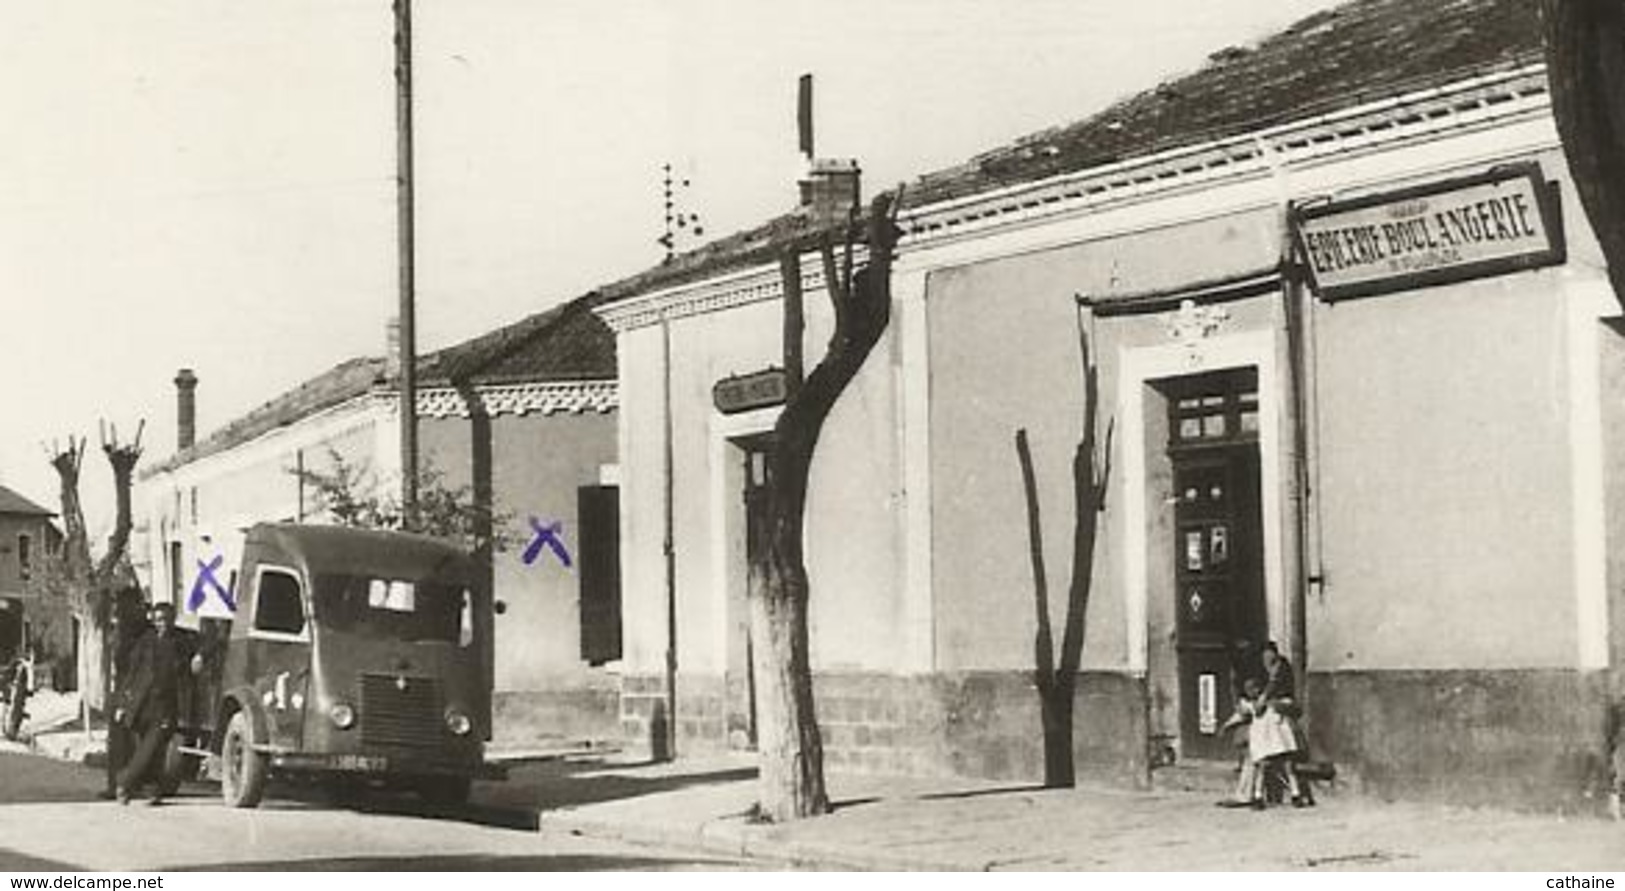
<point x="278" y="608"/>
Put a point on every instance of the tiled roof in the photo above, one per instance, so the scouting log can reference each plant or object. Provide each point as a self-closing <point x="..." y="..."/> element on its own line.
<point x="14" y="504"/>
<point x="566" y="343"/>
<point x="1351" y="55"/>
<point x="337" y="385"/>
<point x="740" y="250"/>
<point x="1339" y="58"/>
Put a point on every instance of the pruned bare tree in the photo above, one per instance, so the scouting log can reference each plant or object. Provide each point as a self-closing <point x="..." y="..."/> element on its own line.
<point x="1091" y="471"/>
<point x="89" y="583"/>
<point x="792" y="750"/>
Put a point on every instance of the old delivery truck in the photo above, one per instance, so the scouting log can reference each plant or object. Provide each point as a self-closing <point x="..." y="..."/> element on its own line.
<point x="351" y="654"/>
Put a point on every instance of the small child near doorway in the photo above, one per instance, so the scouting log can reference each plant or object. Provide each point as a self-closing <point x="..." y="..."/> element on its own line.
<point x="1272" y="743"/>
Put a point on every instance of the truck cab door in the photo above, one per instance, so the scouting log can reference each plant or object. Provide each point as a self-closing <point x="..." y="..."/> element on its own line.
<point x="278" y="645"/>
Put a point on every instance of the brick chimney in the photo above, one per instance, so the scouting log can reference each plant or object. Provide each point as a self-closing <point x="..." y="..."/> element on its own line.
<point x="185" y="409"/>
<point x="829" y="186"/>
<point x="830" y="189"/>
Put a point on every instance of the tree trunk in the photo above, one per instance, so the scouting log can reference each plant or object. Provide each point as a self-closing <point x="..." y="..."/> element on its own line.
<point x="1057" y="684"/>
<point x="1585" y="67"/>
<point x="1585" y="71"/>
<point x="89" y="583"/>
<point x="787" y="737"/>
<point x="76" y="570"/>
<point x="792" y="751"/>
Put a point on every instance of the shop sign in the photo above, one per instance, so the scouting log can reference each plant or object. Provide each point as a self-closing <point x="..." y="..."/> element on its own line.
<point x="1489" y="224"/>
<point x="750" y="391"/>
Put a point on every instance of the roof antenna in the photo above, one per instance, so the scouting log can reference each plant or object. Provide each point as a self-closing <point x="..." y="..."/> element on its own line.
<point x="677" y="219"/>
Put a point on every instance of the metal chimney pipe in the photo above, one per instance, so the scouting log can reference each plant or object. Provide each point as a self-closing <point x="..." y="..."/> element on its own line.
<point x="804" y="116"/>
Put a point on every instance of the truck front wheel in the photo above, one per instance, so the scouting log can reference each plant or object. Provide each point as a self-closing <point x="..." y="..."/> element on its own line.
<point x="242" y="770"/>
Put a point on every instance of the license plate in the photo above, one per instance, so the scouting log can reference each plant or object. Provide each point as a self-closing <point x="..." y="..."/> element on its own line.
<point x="365" y="763"/>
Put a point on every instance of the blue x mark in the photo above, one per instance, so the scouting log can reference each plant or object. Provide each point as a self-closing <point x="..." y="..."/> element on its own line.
<point x="546" y="536"/>
<point x="206" y="582"/>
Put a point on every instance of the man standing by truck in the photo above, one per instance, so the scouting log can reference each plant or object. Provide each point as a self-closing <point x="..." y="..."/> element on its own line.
<point x="129" y="624"/>
<point x="148" y="701"/>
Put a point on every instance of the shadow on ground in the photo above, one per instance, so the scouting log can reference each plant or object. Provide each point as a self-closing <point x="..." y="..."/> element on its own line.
<point x="978" y="793"/>
<point x="12" y="861"/>
<point x="31" y="779"/>
<point x="471" y="863"/>
<point x="517" y="803"/>
<point x="531" y="789"/>
<point x="545" y="786"/>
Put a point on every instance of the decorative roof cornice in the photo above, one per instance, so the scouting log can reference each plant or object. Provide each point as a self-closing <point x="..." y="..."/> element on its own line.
<point x="711" y="295"/>
<point x="542" y="397"/>
<point x="1484" y="101"/>
<point x="1475" y="102"/>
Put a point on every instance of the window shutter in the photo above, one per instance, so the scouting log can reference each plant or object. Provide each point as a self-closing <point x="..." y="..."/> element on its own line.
<point x="599" y="551"/>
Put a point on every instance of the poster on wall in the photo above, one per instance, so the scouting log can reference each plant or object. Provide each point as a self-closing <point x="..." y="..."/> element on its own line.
<point x="1505" y="220"/>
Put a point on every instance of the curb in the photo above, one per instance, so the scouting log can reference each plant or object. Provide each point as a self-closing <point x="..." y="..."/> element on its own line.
<point x="729" y="836"/>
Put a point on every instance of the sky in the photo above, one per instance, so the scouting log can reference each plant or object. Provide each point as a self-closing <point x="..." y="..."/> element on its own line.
<point x="210" y="183"/>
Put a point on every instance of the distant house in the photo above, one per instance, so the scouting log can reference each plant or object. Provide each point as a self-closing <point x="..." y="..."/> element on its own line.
<point x="30" y="615"/>
<point x="523" y="417"/>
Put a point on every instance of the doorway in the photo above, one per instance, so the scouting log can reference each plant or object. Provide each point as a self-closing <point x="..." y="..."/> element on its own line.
<point x="753" y="454"/>
<point x="1218" y="549"/>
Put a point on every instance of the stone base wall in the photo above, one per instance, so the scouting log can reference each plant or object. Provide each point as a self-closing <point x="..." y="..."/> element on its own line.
<point x="1533" y="739"/>
<point x="981" y="724"/>
<point x="1528" y="739"/>
<point x="581" y="711"/>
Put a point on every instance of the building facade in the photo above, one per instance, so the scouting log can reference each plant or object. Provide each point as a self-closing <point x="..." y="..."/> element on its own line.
<point x="35" y="619"/>
<point x="519" y="422"/>
<point x="1359" y="380"/>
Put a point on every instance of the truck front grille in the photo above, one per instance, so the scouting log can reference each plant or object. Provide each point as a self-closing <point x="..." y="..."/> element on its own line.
<point x="398" y="710"/>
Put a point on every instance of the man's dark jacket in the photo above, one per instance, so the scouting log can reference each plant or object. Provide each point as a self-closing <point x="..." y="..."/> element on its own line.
<point x="150" y="693"/>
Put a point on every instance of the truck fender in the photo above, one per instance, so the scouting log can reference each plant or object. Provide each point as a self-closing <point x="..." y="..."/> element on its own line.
<point x="241" y="699"/>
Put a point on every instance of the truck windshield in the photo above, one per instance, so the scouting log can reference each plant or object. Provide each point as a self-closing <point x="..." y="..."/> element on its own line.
<point x="395" y="609"/>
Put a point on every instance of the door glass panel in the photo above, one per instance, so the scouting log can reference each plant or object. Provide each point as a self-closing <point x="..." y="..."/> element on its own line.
<point x="1219" y="545"/>
<point x="1193" y="551"/>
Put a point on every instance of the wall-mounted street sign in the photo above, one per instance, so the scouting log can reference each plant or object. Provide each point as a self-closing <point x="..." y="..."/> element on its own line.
<point x="750" y="391"/>
<point x="1505" y="220"/>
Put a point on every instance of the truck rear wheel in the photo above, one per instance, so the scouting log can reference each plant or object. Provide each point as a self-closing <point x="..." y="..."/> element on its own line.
<point x="242" y="770"/>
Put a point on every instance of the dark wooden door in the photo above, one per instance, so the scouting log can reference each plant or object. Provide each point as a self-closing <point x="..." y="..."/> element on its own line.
<point x="1218" y="549"/>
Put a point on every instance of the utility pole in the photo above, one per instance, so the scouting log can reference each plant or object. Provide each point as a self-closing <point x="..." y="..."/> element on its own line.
<point x="406" y="244"/>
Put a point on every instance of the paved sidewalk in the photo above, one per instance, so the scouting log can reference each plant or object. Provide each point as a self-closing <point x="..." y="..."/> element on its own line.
<point x="955" y="824"/>
<point x="897" y="823"/>
<point x="50" y="714"/>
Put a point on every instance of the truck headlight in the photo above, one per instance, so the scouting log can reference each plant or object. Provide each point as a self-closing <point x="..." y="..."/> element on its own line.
<point x="457" y="722"/>
<point x="342" y="714"/>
